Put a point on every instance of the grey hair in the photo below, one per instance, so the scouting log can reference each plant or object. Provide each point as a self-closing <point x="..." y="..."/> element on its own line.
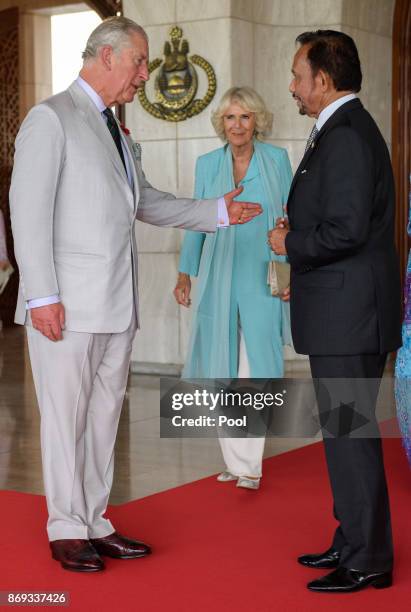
<point x="114" y="32"/>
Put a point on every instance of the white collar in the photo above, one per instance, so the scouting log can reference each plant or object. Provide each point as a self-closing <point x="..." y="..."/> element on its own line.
<point x="91" y="93"/>
<point x="331" y="108"/>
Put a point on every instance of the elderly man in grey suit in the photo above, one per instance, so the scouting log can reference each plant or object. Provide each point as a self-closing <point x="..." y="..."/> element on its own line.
<point x="77" y="188"/>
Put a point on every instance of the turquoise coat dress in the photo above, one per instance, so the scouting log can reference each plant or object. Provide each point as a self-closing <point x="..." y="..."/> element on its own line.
<point x="261" y="316"/>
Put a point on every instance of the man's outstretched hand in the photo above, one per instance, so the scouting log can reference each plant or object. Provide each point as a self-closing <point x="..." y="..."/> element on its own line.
<point x="240" y="212"/>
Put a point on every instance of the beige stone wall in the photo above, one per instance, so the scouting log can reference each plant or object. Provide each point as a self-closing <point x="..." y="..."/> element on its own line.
<point x="248" y="42"/>
<point x="370" y="22"/>
<point x="169" y="154"/>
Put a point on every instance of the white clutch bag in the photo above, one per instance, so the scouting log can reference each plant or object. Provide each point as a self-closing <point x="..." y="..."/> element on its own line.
<point x="4" y="277"/>
<point x="278" y="277"/>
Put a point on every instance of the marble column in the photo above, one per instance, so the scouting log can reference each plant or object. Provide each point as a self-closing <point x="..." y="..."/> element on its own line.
<point x="35" y="65"/>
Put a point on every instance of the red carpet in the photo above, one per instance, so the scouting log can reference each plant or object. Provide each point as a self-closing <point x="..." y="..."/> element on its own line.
<point x="216" y="548"/>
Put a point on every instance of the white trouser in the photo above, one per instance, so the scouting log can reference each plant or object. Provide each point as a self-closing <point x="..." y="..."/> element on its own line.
<point x="80" y="384"/>
<point x="243" y="456"/>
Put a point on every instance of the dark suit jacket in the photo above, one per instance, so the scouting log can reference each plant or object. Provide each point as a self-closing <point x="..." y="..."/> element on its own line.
<point x="345" y="285"/>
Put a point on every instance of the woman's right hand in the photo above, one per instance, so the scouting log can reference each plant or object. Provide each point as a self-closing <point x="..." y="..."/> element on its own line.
<point x="182" y="289"/>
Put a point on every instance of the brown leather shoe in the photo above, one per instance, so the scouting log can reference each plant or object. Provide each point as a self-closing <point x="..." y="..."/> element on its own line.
<point x="119" y="547"/>
<point x="76" y="555"/>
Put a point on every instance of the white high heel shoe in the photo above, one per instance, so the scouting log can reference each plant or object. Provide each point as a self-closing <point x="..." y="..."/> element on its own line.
<point x="226" y="477"/>
<point x="248" y="483"/>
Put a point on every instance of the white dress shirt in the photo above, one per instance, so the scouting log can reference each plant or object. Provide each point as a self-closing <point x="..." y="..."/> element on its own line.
<point x="331" y="108"/>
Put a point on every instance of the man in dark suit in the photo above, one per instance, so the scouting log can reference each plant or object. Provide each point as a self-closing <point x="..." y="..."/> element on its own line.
<point x="345" y="292"/>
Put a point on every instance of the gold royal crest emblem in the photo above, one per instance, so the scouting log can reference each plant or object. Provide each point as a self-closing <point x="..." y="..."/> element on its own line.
<point x="176" y="83"/>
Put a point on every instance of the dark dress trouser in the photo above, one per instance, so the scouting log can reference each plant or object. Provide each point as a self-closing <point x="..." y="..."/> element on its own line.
<point x="356" y="472"/>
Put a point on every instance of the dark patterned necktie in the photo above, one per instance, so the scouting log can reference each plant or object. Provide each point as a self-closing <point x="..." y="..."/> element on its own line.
<point x="115" y="132"/>
<point x="311" y="138"/>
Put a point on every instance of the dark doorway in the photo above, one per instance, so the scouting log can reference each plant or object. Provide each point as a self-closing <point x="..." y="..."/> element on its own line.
<point x="401" y="122"/>
<point x="9" y="125"/>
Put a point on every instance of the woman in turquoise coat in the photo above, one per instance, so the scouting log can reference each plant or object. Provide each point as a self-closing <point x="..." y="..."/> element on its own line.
<point x="238" y="327"/>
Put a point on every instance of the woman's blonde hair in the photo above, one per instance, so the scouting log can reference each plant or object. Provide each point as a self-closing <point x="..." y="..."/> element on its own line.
<point x="252" y="102"/>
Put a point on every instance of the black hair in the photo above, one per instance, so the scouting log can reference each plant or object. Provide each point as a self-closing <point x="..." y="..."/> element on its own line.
<point x="336" y="54"/>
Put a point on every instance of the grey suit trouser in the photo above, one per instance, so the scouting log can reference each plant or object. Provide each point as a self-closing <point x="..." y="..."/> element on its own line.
<point x="80" y="384"/>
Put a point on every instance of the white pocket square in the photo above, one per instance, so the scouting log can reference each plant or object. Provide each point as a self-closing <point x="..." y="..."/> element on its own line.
<point x="137" y="150"/>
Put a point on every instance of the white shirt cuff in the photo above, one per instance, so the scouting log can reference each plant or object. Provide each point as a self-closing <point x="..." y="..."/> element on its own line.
<point x="223" y="220"/>
<point x="44" y="301"/>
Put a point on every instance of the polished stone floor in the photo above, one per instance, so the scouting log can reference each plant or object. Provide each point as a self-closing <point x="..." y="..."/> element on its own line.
<point x="145" y="463"/>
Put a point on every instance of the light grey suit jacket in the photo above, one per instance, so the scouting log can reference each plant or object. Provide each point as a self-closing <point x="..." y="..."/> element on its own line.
<point x="73" y="214"/>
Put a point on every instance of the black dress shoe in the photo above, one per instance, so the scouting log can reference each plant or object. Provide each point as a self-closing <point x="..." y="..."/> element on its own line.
<point x="76" y="555"/>
<point x="326" y="560"/>
<point x="119" y="547"/>
<point x="343" y="580"/>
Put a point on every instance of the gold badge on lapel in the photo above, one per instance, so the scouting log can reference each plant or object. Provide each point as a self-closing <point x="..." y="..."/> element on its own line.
<point x="176" y="83"/>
